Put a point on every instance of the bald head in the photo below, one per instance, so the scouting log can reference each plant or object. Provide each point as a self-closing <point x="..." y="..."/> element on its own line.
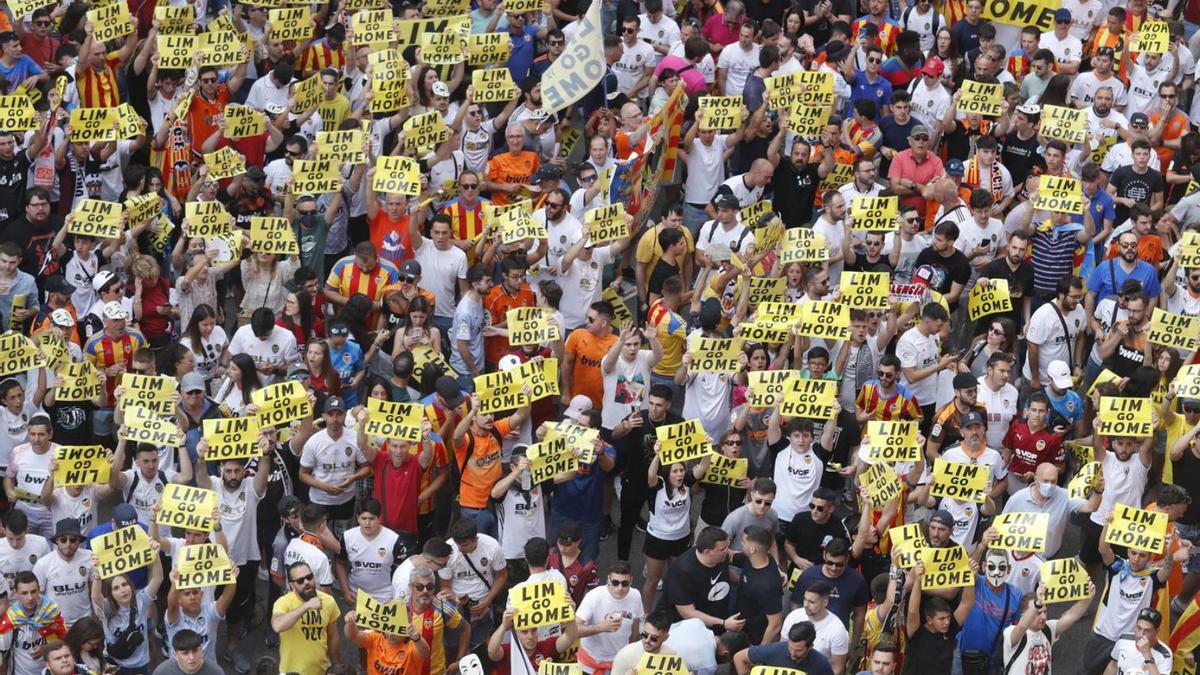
<point x="630" y="111"/>
<point x="946" y="190"/>
<point x="762" y="172"/>
<point x="1046" y="473"/>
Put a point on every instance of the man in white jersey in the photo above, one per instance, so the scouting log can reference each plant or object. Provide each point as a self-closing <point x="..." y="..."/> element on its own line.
<point x="302" y="549"/>
<point x="478" y="133"/>
<point x="238" y="500"/>
<point x="29" y="637"/>
<point x="476" y="574"/>
<point x="20" y="549"/>
<point x="1184" y="300"/>
<point x="609" y="618"/>
<point x="370" y="555"/>
<point x="187" y="610"/>
<point x="331" y="464"/>
<point x="28" y="471"/>
<point x="143" y="485"/>
<point x="798" y="469"/>
<point x="272" y="347"/>
<point x="66" y="574"/>
<point x="434" y="555"/>
<point x="1125" y="462"/>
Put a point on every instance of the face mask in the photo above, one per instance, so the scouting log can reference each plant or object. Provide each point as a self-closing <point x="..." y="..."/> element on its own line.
<point x="308" y="219"/>
<point x="1046" y="489"/>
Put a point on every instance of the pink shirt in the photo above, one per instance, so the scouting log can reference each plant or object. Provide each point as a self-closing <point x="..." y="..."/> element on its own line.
<point x="716" y="31"/>
<point x="903" y="166"/>
<point x="693" y="79"/>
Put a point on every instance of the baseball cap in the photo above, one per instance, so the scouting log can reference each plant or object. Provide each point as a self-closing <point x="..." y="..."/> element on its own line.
<point x="297" y="372"/>
<point x="448" y="389"/>
<point x="726" y="201"/>
<point x="114" y="310"/>
<point x="919" y="130"/>
<point x="67" y="527"/>
<point x="579" y="404"/>
<point x="57" y="283"/>
<point x="547" y="172"/>
<point x="933" y="67"/>
<point x="1060" y="374"/>
<point x="954" y="167"/>
<point x="1032" y="109"/>
<point x="102" y="279"/>
<point x="1106" y="51"/>
<point x="62" y="318"/>
<point x="124" y="515"/>
<point x="289" y="503"/>
<point x="410" y="268"/>
<point x="1062" y="15"/>
<point x="943" y="517"/>
<point x="509" y="361"/>
<point x="973" y="417"/>
<point x="335" y="404"/>
<point x="1139" y="118"/>
<point x="439" y="88"/>
<point x="191" y="382"/>
<point x="965" y="381"/>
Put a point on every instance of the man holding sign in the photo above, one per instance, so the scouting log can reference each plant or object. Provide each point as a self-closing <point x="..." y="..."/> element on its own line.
<point x="388" y="653"/>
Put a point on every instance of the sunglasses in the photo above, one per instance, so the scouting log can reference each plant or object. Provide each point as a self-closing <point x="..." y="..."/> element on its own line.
<point x="764" y="502"/>
<point x="646" y="636"/>
<point x="557" y="43"/>
<point x="587" y="179"/>
<point x="835" y="564"/>
<point x="733" y="441"/>
<point x="407" y="279"/>
<point x="69" y="540"/>
<point x="41" y="23"/>
<point x="304" y="579"/>
<point x="423" y="587"/>
<point x="820" y="507"/>
<point x="874" y="60"/>
<point x="996" y="331"/>
<point x="915" y="219"/>
<point x="556" y="205"/>
<point x="620" y="583"/>
<point x="208" y="80"/>
<point x="629" y="30"/>
<point x="469" y="186"/>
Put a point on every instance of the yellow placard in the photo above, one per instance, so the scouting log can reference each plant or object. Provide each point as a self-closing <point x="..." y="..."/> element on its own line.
<point x="823" y="319"/>
<point x="523" y="6"/>
<point x="373" y="28"/>
<point x="203" y="565"/>
<point x="176" y="52"/>
<point x="550" y="458"/>
<point x="541" y="376"/>
<point x="751" y="215"/>
<point x="424" y="356"/>
<point x="516" y="224"/>
<point x="986" y="300"/>
<point x="960" y="481"/>
<point x="122" y="551"/>
<point x="142" y="208"/>
<point x="224" y="47"/>
<point x="17" y="113"/>
<point x="424" y="132"/>
<point x="23" y="8"/>
<point x="682" y="442"/>
<point x="397" y="175"/>
<point x="80" y="465"/>
<point x="1187" y="382"/>
<point x="882" y="483"/>
<point x="291" y="23"/>
<point x="866" y="290"/>
<point x="1021" y="531"/>
<point x="1081" y="454"/>
<point x="171" y="19"/>
<point x="307" y="94"/>
<point x="441" y="8"/>
<point x="767" y="289"/>
<point x="442" y="49"/>
<point x="552" y="668"/>
<point x="1105" y="375"/>
<point x="143" y="426"/>
<point x="767" y="386"/>
<point x="96" y="218"/>
<point x="242" y="121"/>
<point x="874" y="214"/>
<point x="129" y="123"/>
<point x="498" y="392"/>
<point x="110" y="21"/>
<point x="18" y="354"/>
<point x="224" y="163"/>
<point x="93" y="124"/>
<point x="1065" y="579"/>
<point x="979" y="98"/>
<point x="281" y="402"/>
<point x="763" y="330"/>
<point x="811" y="399"/>
<point x="1083" y="484"/>
<point x="487" y="49"/>
<point x="1189" y="251"/>
<point x="316" y="176"/>
<point x="57" y="356"/>
<point x="569" y="79"/>
<point x="1174" y="330"/>
<point x="389" y="618"/>
<point x="1059" y="194"/>
<point x="714" y="355"/>
<point x="907" y="542"/>
<point x="205" y="219"/>
<point x="622" y="315"/>
<point x="800" y="244"/>
<point x="808" y="121"/>
<point x="342" y="147"/>
<point x="726" y="471"/>
<point x="1138" y="529"/>
<point x="892" y="441"/>
<point x="531" y="326"/>
<point x="1125" y="416"/>
<point x="946" y="568"/>
<point x="187" y="507"/>
<point x="394" y="420"/>
<point x="809" y="88"/>
<point x="661" y="664"/>
<point x="155" y="393"/>
<point x="721" y="113"/>
<point x="543" y="603"/>
<point x="606" y="223"/>
<point x="1068" y="125"/>
<point x="269" y="234"/>
<point x="1154" y="37"/>
<point x="79" y="383"/>
<point x="774" y="670"/>
<point x="1022" y="13"/>
<point x="232" y="438"/>
<point x="841" y="174"/>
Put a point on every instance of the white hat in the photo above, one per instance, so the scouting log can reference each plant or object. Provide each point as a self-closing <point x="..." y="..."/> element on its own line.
<point x="1030" y="109"/>
<point x="62" y="318"/>
<point x="275" y="108"/>
<point x="114" y="310"/>
<point x="578" y="405"/>
<point x="102" y="278"/>
<point x="1060" y="374"/>
<point x="509" y="361"/>
<point x="439" y="88"/>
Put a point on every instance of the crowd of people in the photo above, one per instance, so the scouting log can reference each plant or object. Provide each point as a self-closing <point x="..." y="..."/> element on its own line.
<point x="571" y="333"/>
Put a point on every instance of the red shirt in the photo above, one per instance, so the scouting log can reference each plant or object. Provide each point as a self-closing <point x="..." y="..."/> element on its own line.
<point x="904" y="166"/>
<point x="581" y="576"/>
<point x="253" y="148"/>
<point x="41" y="51"/>
<point x="1030" y="449"/>
<point x="152" y="324"/>
<point x="397" y="488"/>
<point x="716" y="30"/>
<point x="546" y="650"/>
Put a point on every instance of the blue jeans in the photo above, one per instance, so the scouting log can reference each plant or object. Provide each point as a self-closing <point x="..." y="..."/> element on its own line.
<point x="485" y="521"/>
<point x="444" y="324"/>
<point x="590" y="546"/>
<point x="694" y="216"/>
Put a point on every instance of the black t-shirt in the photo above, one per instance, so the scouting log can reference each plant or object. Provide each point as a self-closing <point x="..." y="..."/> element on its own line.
<point x="929" y="652"/>
<point x="807" y="536"/>
<point x="1139" y="187"/>
<point x="1181" y="164"/>
<point x="687" y="582"/>
<point x="861" y="264"/>
<point x="761" y="10"/>
<point x="13" y="174"/>
<point x="954" y="268"/>
<point x="1187" y="476"/>
<point x="719" y="501"/>
<point x="1020" y="156"/>
<point x="760" y="595"/>
<point x="662" y="271"/>
<point x="35" y="241"/>
<point x="747" y="151"/>
<point x="1020" y="285"/>
<point x="795" y="191"/>
<point x="71" y="422"/>
<point x="895" y="135"/>
<point x="846" y="437"/>
<point x="635" y="449"/>
<point x="965" y="35"/>
<point x="821" y="30"/>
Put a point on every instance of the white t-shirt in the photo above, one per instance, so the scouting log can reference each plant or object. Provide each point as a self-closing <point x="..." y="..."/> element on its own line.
<point x="14" y="560"/>
<point x="299" y="550"/>
<point x="835" y="234"/>
<point x="1035" y="656"/>
<point x="1085" y="85"/>
<point x="989" y="457"/>
<point x="1124" y="483"/>
<point x="582" y="284"/>
<point x="928" y="105"/>
<point x="14" y="429"/>
<point x="208" y="357"/>
<point x="738" y="64"/>
<point x="239" y="519"/>
<point x="67" y="582"/>
<point x="665" y="33"/>
<point x="81" y="508"/>
<point x="30" y="471"/>
<point x="626" y="388"/>
<point x="487" y="559"/>
<point x="205" y="624"/>
<point x="1143" y="87"/>
<point x="440" y="272"/>
<point x="1105" y="317"/>
<point x="634" y="61"/>
<point x="919" y="351"/>
<point x="331" y="461"/>
<point x="278" y="349"/>
<point x="706" y="170"/>
<point x="797" y="476"/>
<point x="745" y="195"/>
<point x="1001" y="409"/>
<point x="597" y="606"/>
<point x="477" y="145"/>
<point x="909" y="250"/>
<point x="1130" y="660"/>
<point x="670" y="514"/>
<point x="520" y="520"/>
<point x="832" y="637"/>
<point x="147" y="492"/>
<point x="1086" y="16"/>
<point x="559" y="237"/>
<point x="923" y="26"/>
<point x="1045" y="329"/>
<point x="1066" y="50"/>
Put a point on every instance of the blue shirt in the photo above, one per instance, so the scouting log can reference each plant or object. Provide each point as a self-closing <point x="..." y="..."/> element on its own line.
<point x="1070" y="406"/>
<point x="879" y="91"/>
<point x="849" y="590"/>
<point x="1103" y="209"/>
<point x="22" y="69"/>
<point x="776" y="654"/>
<point x="582" y="497"/>
<point x="520" y="59"/>
<point x="347" y="362"/>
<point x="991" y="608"/>
<point x="1108" y="276"/>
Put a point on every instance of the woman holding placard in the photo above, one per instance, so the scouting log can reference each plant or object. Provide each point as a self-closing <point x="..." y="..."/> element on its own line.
<point x="125" y="611"/>
<point x="241" y="380"/>
<point x="669" y="528"/>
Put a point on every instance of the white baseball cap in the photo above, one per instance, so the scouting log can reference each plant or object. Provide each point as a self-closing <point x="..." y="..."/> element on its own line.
<point x="509" y="361"/>
<point x="1060" y="374"/>
<point x="102" y="279"/>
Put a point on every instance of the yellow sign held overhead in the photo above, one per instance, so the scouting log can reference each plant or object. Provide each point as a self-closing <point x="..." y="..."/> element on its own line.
<point x="541" y="376"/>
<point x="892" y="441"/>
<point x="1083" y="485"/>
<point x="394" y="420"/>
<point x="543" y="603"/>
<point x="498" y="392"/>
<point x="122" y="551"/>
<point x="1138" y="529"/>
<point x="155" y="393"/>
<point x="531" y="326"/>
<point x="243" y="122"/>
<point x="442" y="49"/>
<point x="960" y="481"/>
<point x="986" y="300"/>
<point x="907" y="542"/>
<point x="1177" y="331"/>
<point x="946" y="568"/>
<point x="397" y="175"/>
<point x="882" y="483"/>
<point x="205" y="219"/>
<point x="316" y="176"/>
<point x="823" y="319"/>
<point x="90" y="125"/>
<point x="231" y="438"/>
<point x="291" y="23"/>
<point x="767" y="386"/>
<point x="981" y="99"/>
<point x="874" y="214"/>
<point x="866" y="290"/>
<point x="801" y="244"/>
<point x="1068" y="125"/>
<point x="224" y="163"/>
<point x="187" y="507"/>
<point x="17" y="113"/>
<point x="79" y="383"/>
<point x="486" y="49"/>
<point x="682" y="442"/>
<point x="1153" y="37"/>
<point x="281" y="402"/>
<point x="1124" y="416"/>
<point x="726" y="471"/>
<point x="172" y="19"/>
<point x="81" y="465"/>
<point x="390" y="618"/>
<point x="203" y="565"/>
<point x="1065" y="580"/>
<point x="96" y="218"/>
<point x="425" y="132"/>
<point x="1059" y="194"/>
<point x="721" y="113"/>
<point x="810" y="399"/>
<point x="714" y="355"/>
<point x="110" y="21"/>
<point x="1021" y="531"/>
<point x="18" y="354"/>
<point x="373" y="28"/>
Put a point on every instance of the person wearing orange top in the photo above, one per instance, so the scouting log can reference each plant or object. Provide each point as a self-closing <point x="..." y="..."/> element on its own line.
<point x="209" y="102"/>
<point x="509" y="172"/>
<point x="477" y="441"/>
<point x="389" y="227"/>
<point x="583" y="354"/>
<point x="388" y="654"/>
<point x="97" y="81"/>
<point x="632" y="132"/>
<point x="510" y="293"/>
<point x="1112" y="35"/>
<point x="1168" y="124"/>
<point x="1150" y="245"/>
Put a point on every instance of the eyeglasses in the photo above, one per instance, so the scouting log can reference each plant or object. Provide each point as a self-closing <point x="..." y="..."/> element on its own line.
<point x="835" y="564"/>
<point x="820" y="507"/>
<point x="469" y="186"/>
<point x="557" y="43"/>
<point x="304" y="579"/>
<point x="646" y="636"/>
<point x="309" y="213"/>
<point x="41" y="23"/>
<point x="208" y="80"/>
<point x="870" y="60"/>
<point x="996" y="331"/>
<point x="1168" y="95"/>
<point x="1126" y="244"/>
<point x="885" y="373"/>
<point x="423" y="587"/>
<point x="407" y="279"/>
<point x="620" y="583"/>
<point x="628" y="30"/>
<point x="763" y="502"/>
<point x="732" y="441"/>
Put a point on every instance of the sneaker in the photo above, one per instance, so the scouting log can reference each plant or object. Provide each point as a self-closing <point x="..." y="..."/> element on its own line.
<point x="239" y="661"/>
<point x="606" y="529"/>
<point x="640" y="526"/>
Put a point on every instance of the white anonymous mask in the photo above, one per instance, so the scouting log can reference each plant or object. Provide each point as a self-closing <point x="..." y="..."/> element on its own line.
<point x="470" y="665"/>
<point x="996" y="567"/>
